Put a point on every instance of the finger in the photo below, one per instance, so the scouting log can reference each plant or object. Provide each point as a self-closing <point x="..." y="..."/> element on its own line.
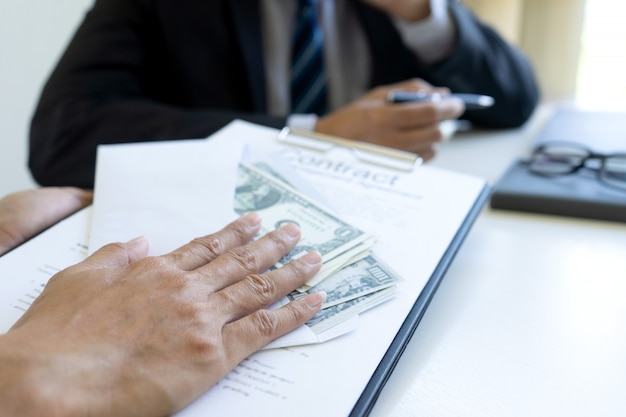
<point x="26" y="213"/>
<point x="424" y="113"/>
<point x="253" y="258"/>
<point x="450" y="107"/>
<point x="416" y="140"/>
<point x="115" y="254"/>
<point x="80" y="197"/>
<point x="205" y="249"/>
<point x="427" y="154"/>
<point x="252" y="332"/>
<point x="60" y="202"/>
<point x="415" y="84"/>
<point x="259" y="291"/>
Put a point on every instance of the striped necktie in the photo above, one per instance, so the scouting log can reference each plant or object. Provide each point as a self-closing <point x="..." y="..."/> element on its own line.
<point x="308" y="75"/>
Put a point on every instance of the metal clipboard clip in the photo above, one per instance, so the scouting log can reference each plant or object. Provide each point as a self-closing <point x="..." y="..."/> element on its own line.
<point x="362" y="151"/>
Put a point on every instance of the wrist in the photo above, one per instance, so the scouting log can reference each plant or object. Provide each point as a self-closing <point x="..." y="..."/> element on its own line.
<point x="24" y="391"/>
<point x="46" y="378"/>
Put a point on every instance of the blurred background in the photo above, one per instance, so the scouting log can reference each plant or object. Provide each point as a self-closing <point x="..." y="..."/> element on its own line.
<point x="578" y="48"/>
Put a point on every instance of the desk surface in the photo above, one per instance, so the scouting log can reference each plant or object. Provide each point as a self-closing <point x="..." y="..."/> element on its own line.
<point x="530" y="319"/>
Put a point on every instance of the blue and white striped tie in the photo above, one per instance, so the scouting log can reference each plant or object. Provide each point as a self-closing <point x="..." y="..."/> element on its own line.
<point x="308" y="75"/>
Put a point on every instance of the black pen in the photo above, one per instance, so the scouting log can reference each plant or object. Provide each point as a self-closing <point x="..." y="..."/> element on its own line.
<point x="472" y="101"/>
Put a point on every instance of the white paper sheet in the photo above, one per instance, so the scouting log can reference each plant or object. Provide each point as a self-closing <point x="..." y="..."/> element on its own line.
<point x="416" y="216"/>
<point x="170" y="192"/>
<point x="26" y="270"/>
<point x="420" y="215"/>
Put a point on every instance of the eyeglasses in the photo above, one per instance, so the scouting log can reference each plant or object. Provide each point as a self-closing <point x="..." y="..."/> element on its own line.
<point x="562" y="158"/>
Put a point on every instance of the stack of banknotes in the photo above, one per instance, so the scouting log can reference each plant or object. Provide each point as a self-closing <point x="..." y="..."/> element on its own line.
<point x="353" y="278"/>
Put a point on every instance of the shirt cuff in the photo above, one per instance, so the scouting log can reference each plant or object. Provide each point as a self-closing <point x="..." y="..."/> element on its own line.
<point x="432" y="39"/>
<point x="302" y="121"/>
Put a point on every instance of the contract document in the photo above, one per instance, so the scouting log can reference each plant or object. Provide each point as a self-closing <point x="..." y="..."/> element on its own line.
<point x="419" y="218"/>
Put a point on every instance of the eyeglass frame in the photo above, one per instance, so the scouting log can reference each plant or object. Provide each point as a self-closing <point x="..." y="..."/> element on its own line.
<point x="590" y="155"/>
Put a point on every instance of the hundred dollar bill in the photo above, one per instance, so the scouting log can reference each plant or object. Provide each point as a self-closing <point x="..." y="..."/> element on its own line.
<point x="354" y="280"/>
<point x="347" y="258"/>
<point x="363" y="277"/>
<point x="332" y="316"/>
<point x="278" y="204"/>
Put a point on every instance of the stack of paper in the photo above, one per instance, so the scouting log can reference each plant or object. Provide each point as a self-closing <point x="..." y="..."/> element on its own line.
<point x="172" y="192"/>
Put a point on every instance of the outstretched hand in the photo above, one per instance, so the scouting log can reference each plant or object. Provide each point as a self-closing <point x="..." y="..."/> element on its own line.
<point x="125" y="335"/>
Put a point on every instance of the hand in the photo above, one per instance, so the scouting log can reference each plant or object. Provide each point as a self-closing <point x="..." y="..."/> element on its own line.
<point x="25" y="213"/>
<point x="412" y="127"/>
<point x="124" y="335"/>
<point x="409" y="10"/>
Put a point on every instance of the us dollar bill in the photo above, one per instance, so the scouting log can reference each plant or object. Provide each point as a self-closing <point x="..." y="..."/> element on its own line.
<point x="353" y="278"/>
<point x="349" y="257"/>
<point x="273" y="172"/>
<point x="278" y="204"/>
<point x="360" y="278"/>
<point x="332" y="316"/>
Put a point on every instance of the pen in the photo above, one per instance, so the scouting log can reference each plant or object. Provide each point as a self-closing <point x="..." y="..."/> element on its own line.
<point x="472" y="101"/>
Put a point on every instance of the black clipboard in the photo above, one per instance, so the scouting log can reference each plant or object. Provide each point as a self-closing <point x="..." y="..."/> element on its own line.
<point x="381" y="375"/>
<point x="396" y="346"/>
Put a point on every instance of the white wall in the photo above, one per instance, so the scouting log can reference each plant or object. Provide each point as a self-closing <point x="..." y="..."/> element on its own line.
<point x="33" y="33"/>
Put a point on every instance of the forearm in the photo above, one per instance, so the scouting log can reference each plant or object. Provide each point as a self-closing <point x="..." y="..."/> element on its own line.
<point x="40" y="379"/>
<point x="24" y="389"/>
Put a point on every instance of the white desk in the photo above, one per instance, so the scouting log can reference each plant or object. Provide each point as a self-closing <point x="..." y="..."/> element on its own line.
<point x="530" y="319"/>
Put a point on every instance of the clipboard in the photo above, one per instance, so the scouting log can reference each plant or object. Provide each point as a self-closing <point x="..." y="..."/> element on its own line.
<point x="362" y="151"/>
<point x="454" y="201"/>
<point x="370" y="394"/>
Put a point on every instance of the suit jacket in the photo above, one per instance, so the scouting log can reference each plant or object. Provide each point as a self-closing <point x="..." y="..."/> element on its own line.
<point x="143" y="70"/>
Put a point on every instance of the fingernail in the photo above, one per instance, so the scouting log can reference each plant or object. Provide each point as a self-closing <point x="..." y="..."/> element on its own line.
<point x="316" y="299"/>
<point x="136" y="240"/>
<point x="291" y="229"/>
<point x="312" y="258"/>
<point x="252" y="218"/>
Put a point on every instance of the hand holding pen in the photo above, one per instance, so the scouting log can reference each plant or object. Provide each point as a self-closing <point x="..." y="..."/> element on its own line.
<point x="410" y="127"/>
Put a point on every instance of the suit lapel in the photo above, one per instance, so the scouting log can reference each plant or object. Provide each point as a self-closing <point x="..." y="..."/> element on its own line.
<point x="247" y="19"/>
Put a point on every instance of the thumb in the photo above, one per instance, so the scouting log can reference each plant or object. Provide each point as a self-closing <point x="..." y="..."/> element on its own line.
<point x="116" y="254"/>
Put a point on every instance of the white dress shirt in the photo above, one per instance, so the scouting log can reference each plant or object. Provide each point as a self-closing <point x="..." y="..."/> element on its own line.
<point x="346" y="54"/>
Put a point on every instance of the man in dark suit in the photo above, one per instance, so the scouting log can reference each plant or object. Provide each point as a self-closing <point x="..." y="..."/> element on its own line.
<point x="142" y="70"/>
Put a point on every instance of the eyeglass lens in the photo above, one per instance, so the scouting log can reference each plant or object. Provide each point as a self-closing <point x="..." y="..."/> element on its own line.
<point x="561" y="159"/>
<point x="557" y="159"/>
<point x="614" y="172"/>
